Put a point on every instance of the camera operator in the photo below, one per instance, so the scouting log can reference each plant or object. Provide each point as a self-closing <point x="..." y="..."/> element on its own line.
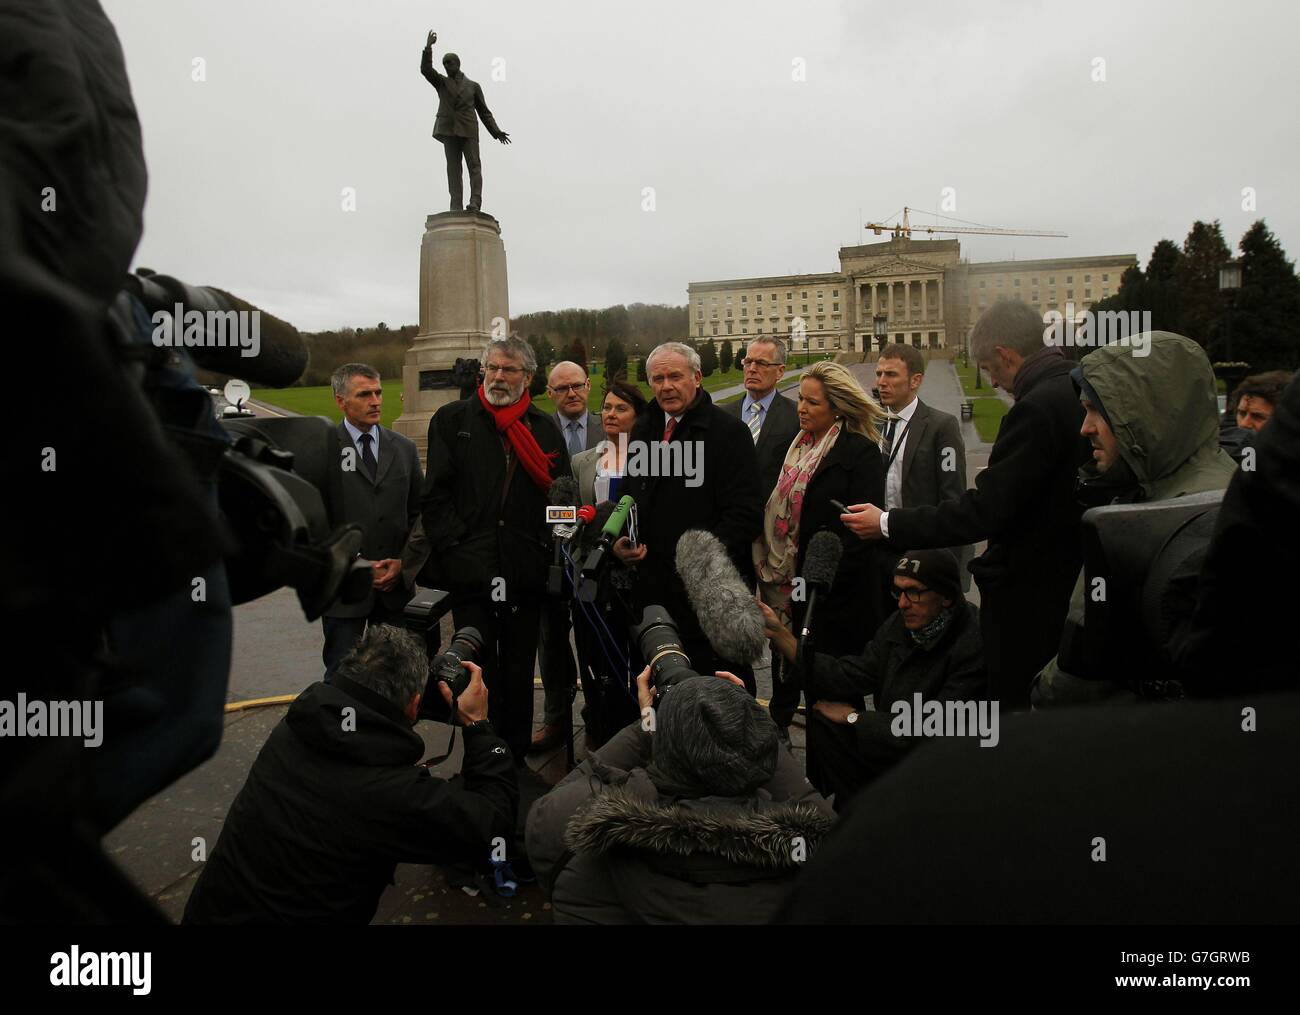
<point x="335" y="799"/>
<point x="693" y="814"/>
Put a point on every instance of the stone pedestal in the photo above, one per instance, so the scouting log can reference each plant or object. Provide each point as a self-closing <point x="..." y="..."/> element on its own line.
<point x="464" y="301"/>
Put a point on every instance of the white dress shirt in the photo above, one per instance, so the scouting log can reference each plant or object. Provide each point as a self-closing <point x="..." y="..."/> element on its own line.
<point x="894" y="477"/>
<point x="355" y="433"/>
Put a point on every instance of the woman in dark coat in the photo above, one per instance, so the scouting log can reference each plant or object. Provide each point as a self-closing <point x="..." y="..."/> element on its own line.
<point x="835" y="457"/>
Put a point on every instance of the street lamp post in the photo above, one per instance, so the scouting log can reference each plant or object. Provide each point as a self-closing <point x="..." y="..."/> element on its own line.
<point x="880" y="329"/>
<point x="1230" y="282"/>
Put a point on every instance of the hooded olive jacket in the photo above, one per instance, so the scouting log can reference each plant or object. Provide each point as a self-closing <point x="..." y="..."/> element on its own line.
<point x="1163" y="410"/>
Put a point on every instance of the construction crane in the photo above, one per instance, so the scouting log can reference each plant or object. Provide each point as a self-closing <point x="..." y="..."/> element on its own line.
<point x="905" y="228"/>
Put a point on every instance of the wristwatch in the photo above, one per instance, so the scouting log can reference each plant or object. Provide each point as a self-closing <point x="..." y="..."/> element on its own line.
<point x="851" y="718"/>
<point x="476" y="724"/>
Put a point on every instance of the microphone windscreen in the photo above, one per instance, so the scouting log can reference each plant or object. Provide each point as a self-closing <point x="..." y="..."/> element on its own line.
<point x="563" y="492"/>
<point x="723" y="604"/>
<point x="822" y="559"/>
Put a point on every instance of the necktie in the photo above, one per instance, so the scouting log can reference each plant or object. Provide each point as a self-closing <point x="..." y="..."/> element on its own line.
<point x="755" y="420"/>
<point x="368" y="456"/>
<point x="575" y="438"/>
<point x="889" y="436"/>
<point x="668" y="430"/>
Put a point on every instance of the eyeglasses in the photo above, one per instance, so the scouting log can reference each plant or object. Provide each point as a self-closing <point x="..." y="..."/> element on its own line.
<point x="569" y="389"/>
<point x="913" y="595"/>
<point x="504" y="371"/>
<point x="747" y="362"/>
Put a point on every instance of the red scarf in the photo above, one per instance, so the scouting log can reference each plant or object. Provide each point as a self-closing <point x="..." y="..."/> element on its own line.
<point x="509" y="421"/>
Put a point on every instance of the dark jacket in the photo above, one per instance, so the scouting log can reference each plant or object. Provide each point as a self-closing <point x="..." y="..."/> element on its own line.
<point x="1024" y="504"/>
<point x="926" y="480"/>
<point x="893" y="668"/>
<point x="780" y="427"/>
<point x="727" y="503"/>
<point x="385" y="508"/>
<point x="608" y="848"/>
<point x="327" y="813"/>
<point x="474" y="537"/>
<point x="460" y="103"/>
<point x="959" y="834"/>
<point x="852" y="473"/>
<point x="1255" y="550"/>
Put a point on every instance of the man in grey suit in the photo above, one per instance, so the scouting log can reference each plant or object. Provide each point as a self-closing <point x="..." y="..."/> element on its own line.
<point x="381" y="493"/>
<point x="460" y="106"/>
<point x="925" y="457"/>
<point x="772" y="418"/>
<point x="569" y="388"/>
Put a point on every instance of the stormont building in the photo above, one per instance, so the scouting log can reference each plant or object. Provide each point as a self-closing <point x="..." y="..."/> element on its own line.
<point x="917" y="292"/>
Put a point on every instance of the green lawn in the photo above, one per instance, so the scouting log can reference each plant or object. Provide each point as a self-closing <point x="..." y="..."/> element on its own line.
<point x="989" y="408"/>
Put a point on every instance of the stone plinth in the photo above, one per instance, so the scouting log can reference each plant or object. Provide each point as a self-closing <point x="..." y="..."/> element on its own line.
<point x="464" y="300"/>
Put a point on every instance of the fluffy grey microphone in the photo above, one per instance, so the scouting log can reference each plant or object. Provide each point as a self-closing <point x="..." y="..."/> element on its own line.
<point x="722" y="602"/>
<point x="564" y="492"/>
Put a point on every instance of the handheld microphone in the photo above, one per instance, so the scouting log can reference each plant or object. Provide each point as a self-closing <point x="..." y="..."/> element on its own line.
<point x="563" y="492"/>
<point x="722" y="602"/>
<point x="819" y="567"/>
<point x="608" y="536"/>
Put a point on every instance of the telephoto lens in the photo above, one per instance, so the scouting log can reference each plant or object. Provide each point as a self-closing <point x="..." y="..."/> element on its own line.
<point x="661" y="647"/>
<point x="466" y="644"/>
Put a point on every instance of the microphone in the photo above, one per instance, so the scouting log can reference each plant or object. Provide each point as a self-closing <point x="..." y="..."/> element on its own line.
<point x="722" y="602"/>
<point x="819" y="567"/>
<point x="608" y="536"/>
<point x="563" y="492"/>
<point x="221" y="332"/>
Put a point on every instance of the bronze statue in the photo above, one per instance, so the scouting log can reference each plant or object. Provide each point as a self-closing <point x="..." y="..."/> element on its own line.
<point x="460" y="104"/>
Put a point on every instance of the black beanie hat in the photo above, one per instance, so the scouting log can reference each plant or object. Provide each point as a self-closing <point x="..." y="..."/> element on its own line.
<point x="935" y="569"/>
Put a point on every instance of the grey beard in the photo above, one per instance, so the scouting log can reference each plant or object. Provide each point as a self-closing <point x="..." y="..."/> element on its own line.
<point x="503" y="398"/>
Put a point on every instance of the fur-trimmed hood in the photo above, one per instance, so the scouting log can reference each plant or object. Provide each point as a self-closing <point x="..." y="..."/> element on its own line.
<point x="774" y="837"/>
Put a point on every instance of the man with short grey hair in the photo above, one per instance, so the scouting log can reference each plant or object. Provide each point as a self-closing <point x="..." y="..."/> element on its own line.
<point x="724" y="496"/>
<point x="336" y="798"/>
<point x="1024" y="503"/>
<point x="772" y="419"/>
<point x="380" y="480"/>
<point x="569" y="389"/>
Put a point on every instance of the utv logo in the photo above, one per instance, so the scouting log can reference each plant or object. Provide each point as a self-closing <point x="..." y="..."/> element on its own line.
<point x="918" y="718"/>
<point x="102" y="969"/>
<point x="1092" y="331"/>
<point x="214" y="329"/>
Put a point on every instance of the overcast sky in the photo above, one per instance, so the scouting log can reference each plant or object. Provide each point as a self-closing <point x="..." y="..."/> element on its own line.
<point x="754" y="172"/>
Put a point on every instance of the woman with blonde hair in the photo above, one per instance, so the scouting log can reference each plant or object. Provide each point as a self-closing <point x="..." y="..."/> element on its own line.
<point x="835" y="457"/>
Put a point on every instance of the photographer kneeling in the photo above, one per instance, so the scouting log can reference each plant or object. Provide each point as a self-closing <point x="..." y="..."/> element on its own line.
<point x="929" y="648"/>
<point x="694" y="814"/>
<point x="335" y="799"/>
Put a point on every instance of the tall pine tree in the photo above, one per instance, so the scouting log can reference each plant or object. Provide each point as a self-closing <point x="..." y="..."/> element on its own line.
<point x="725" y="357"/>
<point x="1265" y="322"/>
<point x="1200" y="302"/>
<point x="615" y="360"/>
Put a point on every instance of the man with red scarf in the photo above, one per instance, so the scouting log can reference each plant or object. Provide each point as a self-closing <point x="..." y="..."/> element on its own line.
<point x="492" y="457"/>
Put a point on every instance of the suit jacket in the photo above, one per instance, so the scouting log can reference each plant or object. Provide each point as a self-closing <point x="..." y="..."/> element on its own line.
<point x="780" y="426"/>
<point x="595" y="430"/>
<point x="727" y="503"/>
<point x="925" y="480"/>
<point x="385" y="508"/>
<point x="460" y="103"/>
<point x="584" y="472"/>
